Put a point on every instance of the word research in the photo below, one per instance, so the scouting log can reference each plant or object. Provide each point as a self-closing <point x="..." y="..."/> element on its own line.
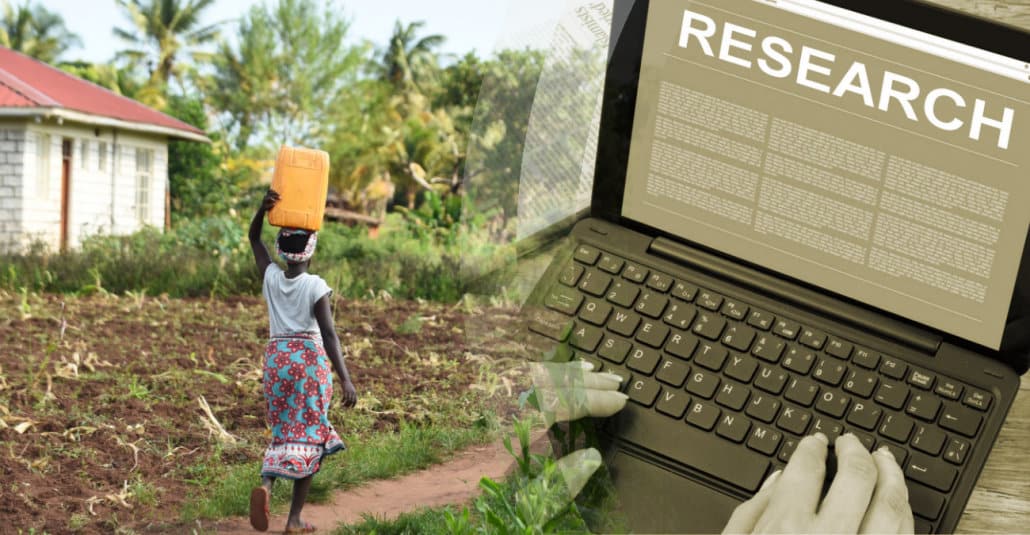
<point x="817" y="69"/>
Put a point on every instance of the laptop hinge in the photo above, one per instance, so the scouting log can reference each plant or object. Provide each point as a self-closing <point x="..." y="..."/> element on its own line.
<point x="898" y="331"/>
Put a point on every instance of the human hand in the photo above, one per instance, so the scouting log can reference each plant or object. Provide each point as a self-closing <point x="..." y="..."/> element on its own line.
<point x="271" y="197"/>
<point x="350" y="395"/>
<point x="569" y="391"/>
<point x="868" y="493"/>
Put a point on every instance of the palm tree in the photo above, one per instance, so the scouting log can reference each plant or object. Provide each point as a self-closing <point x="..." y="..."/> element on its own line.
<point x="163" y="30"/>
<point x="408" y="61"/>
<point x="35" y="31"/>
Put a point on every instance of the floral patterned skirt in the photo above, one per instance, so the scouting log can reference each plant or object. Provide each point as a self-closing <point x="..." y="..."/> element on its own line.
<point x="298" y="387"/>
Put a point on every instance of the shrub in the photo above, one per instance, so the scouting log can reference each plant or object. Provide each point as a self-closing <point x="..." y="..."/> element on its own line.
<point x="211" y="257"/>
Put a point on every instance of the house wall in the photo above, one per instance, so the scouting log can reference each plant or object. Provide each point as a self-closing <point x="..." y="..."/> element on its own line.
<point x="102" y="198"/>
<point x="12" y="148"/>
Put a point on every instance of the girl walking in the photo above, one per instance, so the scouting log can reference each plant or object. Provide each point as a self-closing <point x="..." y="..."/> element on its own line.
<point x="297" y="379"/>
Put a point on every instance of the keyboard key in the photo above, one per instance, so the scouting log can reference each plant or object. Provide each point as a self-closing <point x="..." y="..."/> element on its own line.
<point x="571" y="274"/>
<point x="839" y="348"/>
<point x="625" y="378"/>
<point x="948" y="389"/>
<point x="924" y="406"/>
<point x="977" y="399"/>
<point x="763" y="407"/>
<point x="706" y="454"/>
<point x="653" y="333"/>
<point x="703" y="384"/>
<point x="866" y="358"/>
<point x="930" y="472"/>
<point x="829" y="371"/>
<point x="921" y="379"/>
<point x="833" y="403"/>
<point x="960" y="420"/>
<point x="709" y="299"/>
<point x="741" y="368"/>
<point x="812" y="338"/>
<point x="651" y="304"/>
<point x="739" y="337"/>
<point x="733" y="427"/>
<point x="623" y="294"/>
<point x="594" y="282"/>
<point x="614" y="349"/>
<point x="861" y="383"/>
<point x="925" y="501"/>
<point x="673" y="371"/>
<point x="786" y="328"/>
<point x="956" y="451"/>
<point x="760" y="319"/>
<point x="799" y="359"/>
<point x="789" y="445"/>
<point x="709" y="325"/>
<point x="635" y="273"/>
<point x="673" y="403"/>
<point x="585" y="337"/>
<point x="679" y="315"/>
<point x="624" y="323"/>
<point x="611" y="264"/>
<point x="802" y="391"/>
<point x="864" y="415"/>
<point x="595" y="312"/>
<point x="764" y="439"/>
<point x="685" y="291"/>
<point x="794" y="420"/>
<point x="893" y="368"/>
<point x="659" y="281"/>
<point x="735" y="310"/>
<point x="549" y="323"/>
<point x="586" y="254"/>
<point x="771" y="380"/>
<point x="643" y="391"/>
<point x="892" y="394"/>
<point x="710" y="356"/>
<point x="928" y="440"/>
<point x="768" y="348"/>
<point x="831" y="428"/>
<point x="643" y="360"/>
<point x="681" y="345"/>
<point x="897" y="428"/>
<point x="732" y="395"/>
<point x="702" y="415"/>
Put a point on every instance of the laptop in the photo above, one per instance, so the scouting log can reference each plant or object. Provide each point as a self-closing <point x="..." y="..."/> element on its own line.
<point x="806" y="216"/>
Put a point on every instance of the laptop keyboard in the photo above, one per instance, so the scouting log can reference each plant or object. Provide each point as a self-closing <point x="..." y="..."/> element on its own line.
<point x="714" y="372"/>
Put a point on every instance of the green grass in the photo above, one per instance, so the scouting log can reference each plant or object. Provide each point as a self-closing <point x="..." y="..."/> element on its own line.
<point x="379" y="456"/>
<point x="425" y="520"/>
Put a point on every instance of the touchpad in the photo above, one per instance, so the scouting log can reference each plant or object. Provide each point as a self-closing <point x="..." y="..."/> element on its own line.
<point x="657" y="501"/>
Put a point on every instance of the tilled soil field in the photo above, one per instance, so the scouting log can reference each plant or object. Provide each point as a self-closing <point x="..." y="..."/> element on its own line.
<point x="102" y="398"/>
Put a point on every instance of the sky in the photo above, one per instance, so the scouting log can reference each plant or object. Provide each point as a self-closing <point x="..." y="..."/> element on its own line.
<point x="468" y="24"/>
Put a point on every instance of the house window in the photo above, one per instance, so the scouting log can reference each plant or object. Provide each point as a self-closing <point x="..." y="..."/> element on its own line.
<point x="144" y="178"/>
<point x="102" y="156"/>
<point x="83" y="153"/>
<point x="43" y="165"/>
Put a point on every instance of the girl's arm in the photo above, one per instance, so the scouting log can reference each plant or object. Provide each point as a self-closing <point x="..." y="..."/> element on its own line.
<point x="260" y="251"/>
<point x="332" y="348"/>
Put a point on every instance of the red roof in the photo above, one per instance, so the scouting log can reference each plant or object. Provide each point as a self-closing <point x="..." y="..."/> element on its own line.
<point x="28" y="83"/>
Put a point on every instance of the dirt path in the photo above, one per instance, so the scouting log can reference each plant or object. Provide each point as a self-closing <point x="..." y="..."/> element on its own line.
<point x="453" y="482"/>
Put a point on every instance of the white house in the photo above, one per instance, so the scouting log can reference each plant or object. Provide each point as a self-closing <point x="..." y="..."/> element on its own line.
<point x="77" y="159"/>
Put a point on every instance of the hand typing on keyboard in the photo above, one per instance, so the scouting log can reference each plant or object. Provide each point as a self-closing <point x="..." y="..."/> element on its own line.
<point x="867" y="495"/>
<point x="568" y="391"/>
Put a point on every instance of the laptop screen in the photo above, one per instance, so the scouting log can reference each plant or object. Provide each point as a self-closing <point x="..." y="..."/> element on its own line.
<point x="873" y="160"/>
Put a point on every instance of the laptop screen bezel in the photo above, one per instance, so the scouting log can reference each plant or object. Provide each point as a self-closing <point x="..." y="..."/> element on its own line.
<point x="620" y="92"/>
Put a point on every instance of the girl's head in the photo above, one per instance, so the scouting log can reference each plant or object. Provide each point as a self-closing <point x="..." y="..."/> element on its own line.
<point x="295" y="246"/>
